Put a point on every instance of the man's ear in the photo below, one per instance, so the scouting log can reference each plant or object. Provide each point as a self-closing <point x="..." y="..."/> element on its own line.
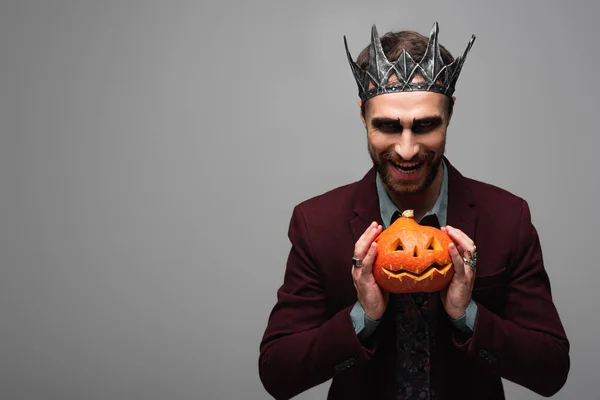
<point x="362" y="116"/>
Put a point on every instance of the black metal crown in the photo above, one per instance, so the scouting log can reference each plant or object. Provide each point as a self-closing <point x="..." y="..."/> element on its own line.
<point x="437" y="76"/>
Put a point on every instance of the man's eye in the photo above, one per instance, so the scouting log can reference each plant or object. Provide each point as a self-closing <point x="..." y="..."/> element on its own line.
<point x="388" y="126"/>
<point x="424" y="126"/>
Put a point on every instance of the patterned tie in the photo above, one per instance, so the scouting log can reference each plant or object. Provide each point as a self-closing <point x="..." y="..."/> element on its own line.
<point x="415" y="329"/>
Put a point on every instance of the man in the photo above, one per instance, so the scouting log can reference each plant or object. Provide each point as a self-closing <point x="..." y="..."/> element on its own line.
<point x="495" y="319"/>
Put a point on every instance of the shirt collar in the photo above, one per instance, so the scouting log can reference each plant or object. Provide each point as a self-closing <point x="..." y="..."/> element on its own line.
<point x="439" y="209"/>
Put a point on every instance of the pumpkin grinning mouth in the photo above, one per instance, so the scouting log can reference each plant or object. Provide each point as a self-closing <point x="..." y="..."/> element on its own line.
<point x="427" y="273"/>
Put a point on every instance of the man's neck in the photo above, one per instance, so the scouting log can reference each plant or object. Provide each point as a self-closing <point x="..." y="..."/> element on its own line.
<point x="421" y="202"/>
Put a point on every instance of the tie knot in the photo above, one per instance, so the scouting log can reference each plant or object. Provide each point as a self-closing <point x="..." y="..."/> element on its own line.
<point x="430" y="220"/>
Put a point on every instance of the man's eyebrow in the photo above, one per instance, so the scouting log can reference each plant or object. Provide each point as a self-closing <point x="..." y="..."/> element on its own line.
<point x="385" y="119"/>
<point x="431" y="118"/>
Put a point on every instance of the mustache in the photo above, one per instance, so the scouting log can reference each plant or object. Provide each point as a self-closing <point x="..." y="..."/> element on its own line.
<point x="394" y="157"/>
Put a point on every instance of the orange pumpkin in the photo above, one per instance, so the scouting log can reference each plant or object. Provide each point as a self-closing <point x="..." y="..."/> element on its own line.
<point x="412" y="257"/>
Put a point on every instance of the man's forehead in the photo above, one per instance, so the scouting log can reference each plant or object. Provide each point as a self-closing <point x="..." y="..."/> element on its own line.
<point x="408" y="105"/>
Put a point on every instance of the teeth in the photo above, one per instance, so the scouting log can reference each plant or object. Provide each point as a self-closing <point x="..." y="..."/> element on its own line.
<point x="407" y="169"/>
<point x="406" y="166"/>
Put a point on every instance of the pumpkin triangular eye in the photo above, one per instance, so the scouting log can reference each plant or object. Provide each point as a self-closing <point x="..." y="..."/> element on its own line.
<point x="434" y="244"/>
<point x="398" y="246"/>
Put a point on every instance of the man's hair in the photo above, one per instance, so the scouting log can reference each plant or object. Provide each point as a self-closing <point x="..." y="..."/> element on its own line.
<point x="413" y="42"/>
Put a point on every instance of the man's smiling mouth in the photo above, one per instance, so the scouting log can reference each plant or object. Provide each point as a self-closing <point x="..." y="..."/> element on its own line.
<point x="407" y="168"/>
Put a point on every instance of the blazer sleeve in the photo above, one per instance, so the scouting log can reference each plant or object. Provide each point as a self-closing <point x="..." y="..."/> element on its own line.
<point x="305" y="344"/>
<point x="528" y="345"/>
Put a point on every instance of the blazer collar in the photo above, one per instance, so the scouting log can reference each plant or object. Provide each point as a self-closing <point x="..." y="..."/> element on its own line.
<point x="366" y="205"/>
<point x="462" y="212"/>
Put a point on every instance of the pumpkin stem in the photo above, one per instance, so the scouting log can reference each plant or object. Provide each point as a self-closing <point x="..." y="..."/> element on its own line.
<point x="408" y="213"/>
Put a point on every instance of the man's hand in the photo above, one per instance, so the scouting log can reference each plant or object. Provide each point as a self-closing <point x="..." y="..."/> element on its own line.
<point x="370" y="295"/>
<point x="457" y="295"/>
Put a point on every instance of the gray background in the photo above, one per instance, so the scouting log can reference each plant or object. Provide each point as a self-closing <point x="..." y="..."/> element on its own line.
<point x="151" y="153"/>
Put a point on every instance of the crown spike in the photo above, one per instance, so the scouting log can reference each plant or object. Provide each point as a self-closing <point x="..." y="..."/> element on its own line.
<point x="460" y="61"/>
<point x="432" y="63"/>
<point x="359" y="75"/>
<point x="405" y="67"/>
<point x="400" y="67"/>
<point x="380" y="67"/>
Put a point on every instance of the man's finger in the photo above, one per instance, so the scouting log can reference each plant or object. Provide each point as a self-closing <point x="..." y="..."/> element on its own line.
<point x="362" y="245"/>
<point x="459" y="236"/>
<point x="459" y="267"/>
<point x="363" y="242"/>
<point x="369" y="259"/>
<point x="362" y="237"/>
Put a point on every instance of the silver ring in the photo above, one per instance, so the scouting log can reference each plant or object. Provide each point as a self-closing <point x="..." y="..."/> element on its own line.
<point x="357" y="262"/>
<point x="472" y="260"/>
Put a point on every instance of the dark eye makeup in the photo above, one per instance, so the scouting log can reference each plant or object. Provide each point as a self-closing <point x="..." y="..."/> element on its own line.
<point x="421" y="125"/>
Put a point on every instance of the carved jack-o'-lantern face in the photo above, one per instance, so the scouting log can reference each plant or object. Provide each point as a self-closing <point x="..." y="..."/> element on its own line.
<point x="412" y="257"/>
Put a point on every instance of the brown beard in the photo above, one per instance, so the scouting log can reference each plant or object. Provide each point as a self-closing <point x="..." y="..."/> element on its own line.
<point x="431" y="163"/>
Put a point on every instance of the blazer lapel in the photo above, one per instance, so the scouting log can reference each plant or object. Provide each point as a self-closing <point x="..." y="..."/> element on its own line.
<point x="461" y="203"/>
<point x="366" y="209"/>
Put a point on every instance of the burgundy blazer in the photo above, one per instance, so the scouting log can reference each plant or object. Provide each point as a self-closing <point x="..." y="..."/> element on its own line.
<point x="518" y="335"/>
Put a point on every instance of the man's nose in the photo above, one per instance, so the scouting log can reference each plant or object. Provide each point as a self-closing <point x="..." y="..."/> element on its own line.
<point x="406" y="147"/>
